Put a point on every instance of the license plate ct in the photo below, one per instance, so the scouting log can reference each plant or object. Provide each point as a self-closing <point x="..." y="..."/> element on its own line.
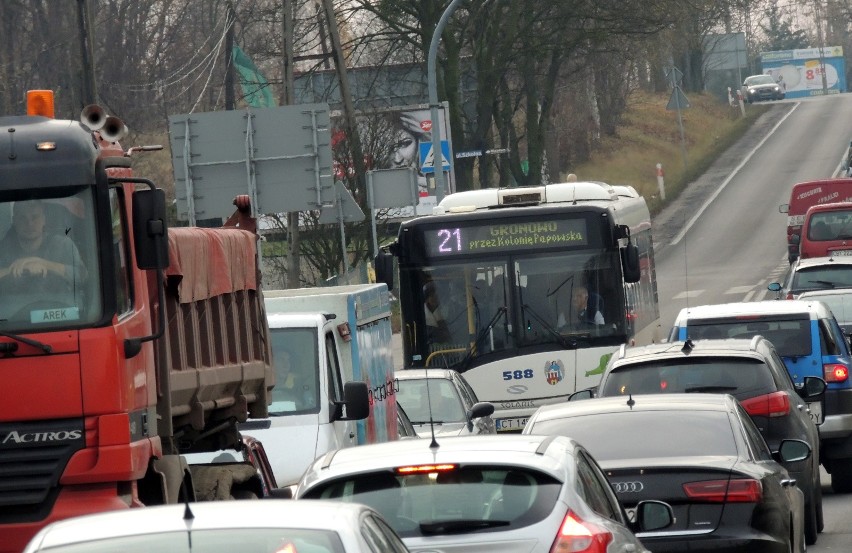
<point x="843" y="253"/>
<point x="515" y="424"/>
<point x="815" y="410"/>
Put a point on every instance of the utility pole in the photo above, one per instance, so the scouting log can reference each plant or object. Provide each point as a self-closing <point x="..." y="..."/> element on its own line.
<point x="818" y="16"/>
<point x="87" y="53"/>
<point x="230" y="18"/>
<point x="294" y="259"/>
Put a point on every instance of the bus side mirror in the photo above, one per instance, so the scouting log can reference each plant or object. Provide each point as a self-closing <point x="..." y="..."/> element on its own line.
<point x="150" y="231"/>
<point x="630" y="263"/>
<point x="384" y="269"/>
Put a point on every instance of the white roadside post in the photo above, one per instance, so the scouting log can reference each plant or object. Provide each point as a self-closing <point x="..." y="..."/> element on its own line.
<point x="661" y="181"/>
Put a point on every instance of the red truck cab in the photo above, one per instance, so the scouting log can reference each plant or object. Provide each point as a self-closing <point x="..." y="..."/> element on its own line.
<point x="807" y="194"/>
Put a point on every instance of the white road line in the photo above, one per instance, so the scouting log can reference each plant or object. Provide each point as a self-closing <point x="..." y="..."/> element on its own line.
<point x="730" y="177"/>
<point x="738" y="290"/>
<point x="761" y="295"/>
<point x="688" y="294"/>
<point x="748" y="296"/>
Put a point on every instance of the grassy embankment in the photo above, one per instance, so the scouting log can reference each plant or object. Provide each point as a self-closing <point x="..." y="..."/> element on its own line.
<point x="650" y="135"/>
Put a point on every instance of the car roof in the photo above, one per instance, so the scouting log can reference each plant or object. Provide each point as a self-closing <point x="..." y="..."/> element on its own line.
<point x="640" y="403"/>
<point x="804" y="263"/>
<point x="729" y="347"/>
<point x="766" y="307"/>
<point x="268" y="513"/>
<point x="548" y="454"/>
<point x="413" y="374"/>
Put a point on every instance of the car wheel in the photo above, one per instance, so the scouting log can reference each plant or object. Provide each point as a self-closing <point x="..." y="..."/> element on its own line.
<point x="811" y="522"/>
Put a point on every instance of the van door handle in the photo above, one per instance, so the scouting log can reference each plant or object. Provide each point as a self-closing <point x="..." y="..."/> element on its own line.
<point x="351" y="435"/>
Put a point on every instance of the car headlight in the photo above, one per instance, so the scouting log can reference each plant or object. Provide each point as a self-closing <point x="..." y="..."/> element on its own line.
<point x="751" y="91"/>
<point x="777" y="89"/>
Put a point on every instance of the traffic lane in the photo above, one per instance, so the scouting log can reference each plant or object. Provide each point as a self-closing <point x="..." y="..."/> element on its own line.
<point x="837" y="511"/>
<point x="740" y="236"/>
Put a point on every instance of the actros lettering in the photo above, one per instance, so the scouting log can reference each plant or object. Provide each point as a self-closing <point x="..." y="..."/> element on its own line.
<point x="41" y="437"/>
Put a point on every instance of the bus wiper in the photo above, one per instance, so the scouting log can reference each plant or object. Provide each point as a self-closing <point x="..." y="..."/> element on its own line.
<point x="482" y="333"/>
<point x="28" y="341"/>
<point x="455" y="526"/>
<point x="561" y="340"/>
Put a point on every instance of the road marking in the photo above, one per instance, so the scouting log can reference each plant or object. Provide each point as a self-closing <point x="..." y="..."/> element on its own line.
<point x="749" y="295"/>
<point x="730" y="177"/>
<point x="688" y="294"/>
<point x="738" y="289"/>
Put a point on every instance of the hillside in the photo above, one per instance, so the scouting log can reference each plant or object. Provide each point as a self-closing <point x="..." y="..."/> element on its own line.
<point x="650" y="134"/>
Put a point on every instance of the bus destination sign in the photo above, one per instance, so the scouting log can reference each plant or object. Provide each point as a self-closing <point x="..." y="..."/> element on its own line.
<point x="505" y="236"/>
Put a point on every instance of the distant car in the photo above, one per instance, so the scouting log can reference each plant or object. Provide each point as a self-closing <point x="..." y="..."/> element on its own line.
<point x="840" y="303"/>
<point x="751" y="371"/>
<point x="225" y="527"/>
<point x="702" y="454"/>
<point x="449" y="403"/>
<point x="404" y="428"/>
<point x="499" y="493"/>
<point x="761" y="87"/>
<point x="811" y="343"/>
<point x="815" y="273"/>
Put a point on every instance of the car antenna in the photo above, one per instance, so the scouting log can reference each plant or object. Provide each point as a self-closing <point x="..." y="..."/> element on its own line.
<point x="688" y="344"/>
<point x="188" y="515"/>
<point x="630" y="401"/>
<point x="434" y="444"/>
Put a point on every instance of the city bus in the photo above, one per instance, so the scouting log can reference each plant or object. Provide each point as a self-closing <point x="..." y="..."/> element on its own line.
<point x="525" y="291"/>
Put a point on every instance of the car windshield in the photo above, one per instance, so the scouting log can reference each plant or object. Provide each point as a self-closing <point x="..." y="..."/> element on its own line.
<point x="759" y="79"/>
<point x="626" y="435"/>
<point x="742" y="378"/>
<point x="224" y="540"/>
<point x="451" y="500"/>
<point x="822" y="278"/>
<point x="790" y="336"/>
<point x="440" y="402"/>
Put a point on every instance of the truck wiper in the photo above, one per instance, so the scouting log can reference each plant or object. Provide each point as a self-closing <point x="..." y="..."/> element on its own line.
<point x="455" y="526"/>
<point x="28" y="341"/>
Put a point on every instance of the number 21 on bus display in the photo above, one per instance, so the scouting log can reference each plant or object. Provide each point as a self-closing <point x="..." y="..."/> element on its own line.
<point x="448" y="239"/>
<point x="517" y="375"/>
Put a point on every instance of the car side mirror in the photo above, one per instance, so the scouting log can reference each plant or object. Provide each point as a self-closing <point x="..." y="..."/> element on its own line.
<point x="784" y="208"/>
<point x="479" y="410"/>
<point x="812" y="389"/>
<point x="588" y="393"/>
<point x="792" y="451"/>
<point x="653" y="515"/>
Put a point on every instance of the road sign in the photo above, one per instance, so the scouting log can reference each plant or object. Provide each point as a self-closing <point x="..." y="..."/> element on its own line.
<point x="677" y="100"/>
<point x="427" y="157"/>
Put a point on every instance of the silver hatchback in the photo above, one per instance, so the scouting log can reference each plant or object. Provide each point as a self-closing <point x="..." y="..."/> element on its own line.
<point x="500" y="494"/>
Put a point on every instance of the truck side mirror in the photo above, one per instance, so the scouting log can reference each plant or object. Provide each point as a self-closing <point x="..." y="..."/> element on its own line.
<point x="150" y="231"/>
<point x="356" y="399"/>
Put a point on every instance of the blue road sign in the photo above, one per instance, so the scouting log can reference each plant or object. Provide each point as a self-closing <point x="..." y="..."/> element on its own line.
<point x="427" y="158"/>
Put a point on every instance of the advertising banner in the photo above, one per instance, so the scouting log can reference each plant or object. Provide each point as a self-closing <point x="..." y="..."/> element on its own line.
<point x="800" y="72"/>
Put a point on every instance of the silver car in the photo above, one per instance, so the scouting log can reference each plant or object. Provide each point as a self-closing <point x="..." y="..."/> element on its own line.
<point x="442" y="399"/>
<point x="494" y="493"/>
<point x="266" y="526"/>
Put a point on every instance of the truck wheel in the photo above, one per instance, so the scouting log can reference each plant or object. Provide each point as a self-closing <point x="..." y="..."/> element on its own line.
<point x="841" y="475"/>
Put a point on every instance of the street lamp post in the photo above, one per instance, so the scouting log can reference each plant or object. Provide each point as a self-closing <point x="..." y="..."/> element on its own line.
<point x="437" y="155"/>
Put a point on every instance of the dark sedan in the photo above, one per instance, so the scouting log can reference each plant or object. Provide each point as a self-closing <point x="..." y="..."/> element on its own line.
<point x="761" y="87"/>
<point x="702" y="454"/>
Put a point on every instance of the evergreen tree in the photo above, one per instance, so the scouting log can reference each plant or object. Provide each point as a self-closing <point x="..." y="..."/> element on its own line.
<point x="779" y="31"/>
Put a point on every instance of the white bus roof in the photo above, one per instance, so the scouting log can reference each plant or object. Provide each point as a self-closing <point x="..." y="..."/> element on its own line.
<point x="566" y="192"/>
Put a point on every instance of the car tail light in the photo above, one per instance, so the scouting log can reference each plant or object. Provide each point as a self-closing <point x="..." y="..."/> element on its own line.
<point x="835" y="372"/>
<point x="790" y="296"/>
<point x="577" y="536"/>
<point x="725" y="491"/>
<point x="776" y="404"/>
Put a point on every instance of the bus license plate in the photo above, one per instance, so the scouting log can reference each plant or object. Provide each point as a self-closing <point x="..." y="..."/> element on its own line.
<point x="511" y="425"/>
<point x="815" y="409"/>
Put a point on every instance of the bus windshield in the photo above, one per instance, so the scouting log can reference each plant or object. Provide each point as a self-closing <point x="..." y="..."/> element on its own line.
<point x="474" y="309"/>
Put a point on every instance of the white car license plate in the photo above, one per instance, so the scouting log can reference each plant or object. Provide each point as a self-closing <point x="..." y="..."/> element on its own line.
<point x="815" y="410"/>
<point x="842" y="253"/>
<point x="515" y="424"/>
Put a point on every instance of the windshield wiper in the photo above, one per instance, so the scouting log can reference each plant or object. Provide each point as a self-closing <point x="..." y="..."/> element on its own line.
<point x="482" y="333"/>
<point x="455" y="526"/>
<point x="710" y="389"/>
<point x="28" y="341"/>
<point x="561" y="340"/>
<point x="823" y="282"/>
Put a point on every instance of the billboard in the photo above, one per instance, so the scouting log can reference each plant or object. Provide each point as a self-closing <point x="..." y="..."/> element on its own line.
<point x="401" y="138"/>
<point x="800" y="72"/>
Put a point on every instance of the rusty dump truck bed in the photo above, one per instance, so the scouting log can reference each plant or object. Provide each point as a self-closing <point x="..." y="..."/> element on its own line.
<point x="215" y="358"/>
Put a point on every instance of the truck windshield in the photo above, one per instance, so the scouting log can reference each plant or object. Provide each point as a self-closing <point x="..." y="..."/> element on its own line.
<point x="48" y="260"/>
<point x="294" y="354"/>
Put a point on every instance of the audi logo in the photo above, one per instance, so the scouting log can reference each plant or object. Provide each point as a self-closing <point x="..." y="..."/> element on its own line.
<point x="628" y="487"/>
<point x="517" y="389"/>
